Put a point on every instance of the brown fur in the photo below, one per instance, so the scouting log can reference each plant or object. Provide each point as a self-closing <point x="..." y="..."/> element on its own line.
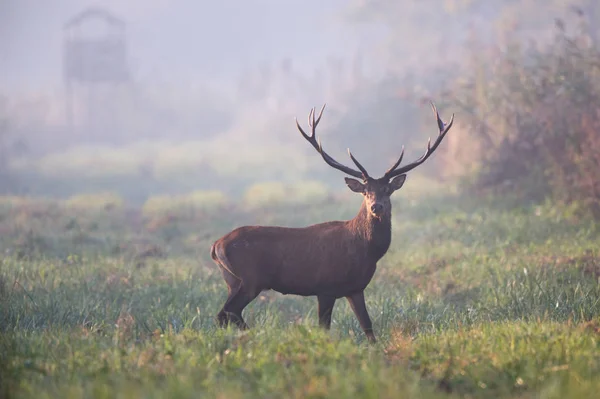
<point x="328" y="260"/>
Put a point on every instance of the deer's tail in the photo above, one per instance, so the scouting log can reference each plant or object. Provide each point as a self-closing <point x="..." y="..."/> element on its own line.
<point x="217" y="253"/>
<point x="213" y="254"/>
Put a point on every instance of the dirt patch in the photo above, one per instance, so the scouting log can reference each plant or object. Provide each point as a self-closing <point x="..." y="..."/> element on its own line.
<point x="400" y="347"/>
<point x="592" y="326"/>
<point x="588" y="263"/>
<point x="428" y="277"/>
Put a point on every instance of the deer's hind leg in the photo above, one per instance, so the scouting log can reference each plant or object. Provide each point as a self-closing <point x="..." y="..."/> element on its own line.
<point x="239" y="297"/>
<point x="233" y="286"/>
<point x="236" y="303"/>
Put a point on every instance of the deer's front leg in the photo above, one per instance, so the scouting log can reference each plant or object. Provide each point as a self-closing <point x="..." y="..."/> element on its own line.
<point x="325" y="310"/>
<point x="357" y="303"/>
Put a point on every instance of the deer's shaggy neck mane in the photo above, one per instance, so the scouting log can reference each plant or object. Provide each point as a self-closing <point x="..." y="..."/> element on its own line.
<point x="376" y="232"/>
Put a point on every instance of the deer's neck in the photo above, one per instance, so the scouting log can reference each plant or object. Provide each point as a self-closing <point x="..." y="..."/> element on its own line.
<point x="376" y="233"/>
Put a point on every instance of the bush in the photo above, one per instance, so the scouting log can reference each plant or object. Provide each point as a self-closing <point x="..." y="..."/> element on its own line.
<point x="534" y="117"/>
<point x="265" y="193"/>
<point x="276" y="193"/>
<point x="95" y="202"/>
<point x="185" y="205"/>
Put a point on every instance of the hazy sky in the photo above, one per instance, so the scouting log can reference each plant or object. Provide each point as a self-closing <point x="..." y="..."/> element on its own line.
<point x="177" y="39"/>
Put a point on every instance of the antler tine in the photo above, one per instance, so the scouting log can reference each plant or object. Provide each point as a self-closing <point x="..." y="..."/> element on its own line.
<point x="320" y="114"/>
<point x="394" y="166"/>
<point x="312" y="122"/>
<point x="358" y="165"/>
<point x="443" y="129"/>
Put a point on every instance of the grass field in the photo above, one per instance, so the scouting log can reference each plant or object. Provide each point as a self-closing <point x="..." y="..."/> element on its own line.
<point x="472" y="300"/>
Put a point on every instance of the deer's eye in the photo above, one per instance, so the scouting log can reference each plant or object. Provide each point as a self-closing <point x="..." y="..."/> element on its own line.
<point x="385" y="190"/>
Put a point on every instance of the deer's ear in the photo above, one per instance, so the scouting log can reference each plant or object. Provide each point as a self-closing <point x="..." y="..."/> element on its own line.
<point x="397" y="182"/>
<point x="355" y="185"/>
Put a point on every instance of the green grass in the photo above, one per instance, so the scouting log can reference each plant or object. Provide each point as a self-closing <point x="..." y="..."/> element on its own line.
<point x="472" y="300"/>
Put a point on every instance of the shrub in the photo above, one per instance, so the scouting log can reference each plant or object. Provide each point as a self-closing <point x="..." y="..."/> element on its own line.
<point x="276" y="193"/>
<point x="95" y="201"/>
<point x="265" y="193"/>
<point x="534" y="117"/>
<point x="185" y="205"/>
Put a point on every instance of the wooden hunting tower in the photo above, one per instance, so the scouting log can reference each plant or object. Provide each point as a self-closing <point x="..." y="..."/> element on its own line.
<point x="94" y="66"/>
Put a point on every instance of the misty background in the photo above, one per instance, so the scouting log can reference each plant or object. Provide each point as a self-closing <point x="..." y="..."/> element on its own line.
<point x="213" y="89"/>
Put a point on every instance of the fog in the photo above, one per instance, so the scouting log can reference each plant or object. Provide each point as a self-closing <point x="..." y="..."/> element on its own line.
<point x="213" y="88"/>
<point x="177" y="40"/>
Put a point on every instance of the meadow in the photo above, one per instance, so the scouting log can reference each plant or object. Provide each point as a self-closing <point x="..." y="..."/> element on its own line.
<point x="475" y="298"/>
<point x="107" y="289"/>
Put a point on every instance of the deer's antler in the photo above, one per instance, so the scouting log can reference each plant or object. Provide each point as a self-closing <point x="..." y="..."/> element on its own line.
<point x="392" y="172"/>
<point x="312" y="122"/>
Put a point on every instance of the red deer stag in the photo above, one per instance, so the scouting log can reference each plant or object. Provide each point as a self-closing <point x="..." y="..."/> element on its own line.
<point x="329" y="260"/>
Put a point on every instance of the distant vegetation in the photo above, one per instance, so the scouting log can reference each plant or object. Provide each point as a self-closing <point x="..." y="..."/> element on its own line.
<point x="525" y="127"/>
<point x="531" y="119"/>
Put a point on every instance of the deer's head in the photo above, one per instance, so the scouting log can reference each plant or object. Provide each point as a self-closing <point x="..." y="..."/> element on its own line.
<point x="376" y="192"/>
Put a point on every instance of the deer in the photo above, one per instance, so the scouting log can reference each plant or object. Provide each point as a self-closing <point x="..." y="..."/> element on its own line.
<point x="330" y="260"/>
